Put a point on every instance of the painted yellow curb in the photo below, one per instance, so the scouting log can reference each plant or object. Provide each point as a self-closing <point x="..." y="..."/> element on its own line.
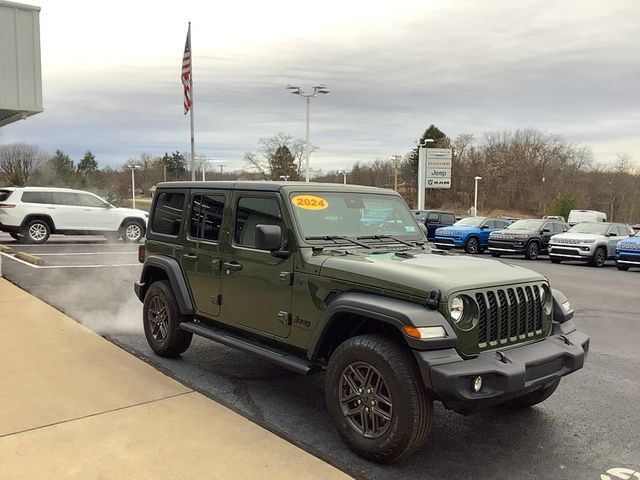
<point x="5" y="249"/>
<point x="29" y="258"/>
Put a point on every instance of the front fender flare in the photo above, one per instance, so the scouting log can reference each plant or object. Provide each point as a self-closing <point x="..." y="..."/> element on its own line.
<point x="392" y="311"/>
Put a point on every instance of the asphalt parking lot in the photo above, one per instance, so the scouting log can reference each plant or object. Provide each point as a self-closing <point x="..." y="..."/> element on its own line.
<point x="587" y="427"/>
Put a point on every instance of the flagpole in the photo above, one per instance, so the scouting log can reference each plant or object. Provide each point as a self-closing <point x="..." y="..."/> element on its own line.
<point x="193" y="150"/>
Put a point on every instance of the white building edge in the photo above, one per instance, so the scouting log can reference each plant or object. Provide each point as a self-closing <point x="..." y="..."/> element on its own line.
<point x="20" y="65"/>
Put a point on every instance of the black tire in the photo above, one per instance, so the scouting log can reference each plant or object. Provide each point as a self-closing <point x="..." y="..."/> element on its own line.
<point x="472" y="246"/>
<point x="36" y="231"/>
<point x="15" y="236"/>
<point x="623" y="268"/>
<point x="533" y="398"/>
<point x="533" y="250"/>
<point x="132" y="231"/>
<point x="163" y="331"/>
<point x="554" y="260"/>
<point x="495" y="254"/>
<point x="599" y="257"/>
<point x="399" y="395"/>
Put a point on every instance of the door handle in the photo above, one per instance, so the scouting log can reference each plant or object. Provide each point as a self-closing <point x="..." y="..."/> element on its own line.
<point x="235" y="266"/>
<point x="190" y="256"/>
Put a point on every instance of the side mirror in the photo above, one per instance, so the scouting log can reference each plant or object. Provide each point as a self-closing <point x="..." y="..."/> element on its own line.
<point x="612" y="234"/>
<point x="546" y="230"/>
<point x="268" y="237"/>
<point x="484" y="227"/>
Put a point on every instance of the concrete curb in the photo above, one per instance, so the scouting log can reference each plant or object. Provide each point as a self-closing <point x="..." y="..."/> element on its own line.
<point x="29" y="258"/>
<point x="5" y="249"/>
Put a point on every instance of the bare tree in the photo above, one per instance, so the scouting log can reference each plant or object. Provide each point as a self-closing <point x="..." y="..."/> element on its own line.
<point x="18" y="162"/>
<point x="263" y="160"/>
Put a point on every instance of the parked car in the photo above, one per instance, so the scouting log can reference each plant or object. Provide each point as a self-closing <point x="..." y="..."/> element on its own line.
<point x="554" y="217"/>
<point x="433" y="220"/>
<point x="528" y="237"/>
<point x="471" y="233"/>
<point x="580" y="216"/>
<point x="591" y="242"/>
<point x="628" y="253"/>
<point x="31" y="214"/>
<point x="291" y="273"/>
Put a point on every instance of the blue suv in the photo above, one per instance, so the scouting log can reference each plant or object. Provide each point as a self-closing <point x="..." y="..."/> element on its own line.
<point x="470" y="233"/>
<point x="628" y="253"/>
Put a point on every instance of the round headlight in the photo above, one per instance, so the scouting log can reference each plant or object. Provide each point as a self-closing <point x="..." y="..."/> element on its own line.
<point x="457" y="309"/>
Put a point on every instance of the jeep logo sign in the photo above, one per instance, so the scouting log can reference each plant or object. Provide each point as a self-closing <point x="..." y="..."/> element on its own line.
<point x="438" y="163"/>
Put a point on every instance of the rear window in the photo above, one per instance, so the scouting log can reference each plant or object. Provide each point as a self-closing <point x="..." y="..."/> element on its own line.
<point x="447" y="218"/>
<point x="37" y="197"/>
<point x="5" y="194"/>
<point x="167" y="215"/>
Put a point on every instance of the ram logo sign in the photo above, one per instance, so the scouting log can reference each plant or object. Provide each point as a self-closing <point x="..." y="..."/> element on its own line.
<point x="438" y="168"/>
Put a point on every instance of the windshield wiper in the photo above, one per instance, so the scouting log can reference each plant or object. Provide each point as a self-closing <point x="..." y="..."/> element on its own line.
<point x="337" y="237"/>
<point x="390" y="237"/>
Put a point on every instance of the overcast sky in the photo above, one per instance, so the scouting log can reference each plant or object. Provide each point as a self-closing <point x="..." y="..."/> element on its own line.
<point x="111" y="75"/>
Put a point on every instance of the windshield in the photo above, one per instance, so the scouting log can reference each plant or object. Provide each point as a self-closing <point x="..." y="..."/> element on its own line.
<point x="470" y="222"/>
<point x="595" y="228"/>
<point x="526" y="225"/>
<point x="353" y="215"/>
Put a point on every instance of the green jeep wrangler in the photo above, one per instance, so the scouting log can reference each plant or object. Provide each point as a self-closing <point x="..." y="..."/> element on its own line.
<point x="314" y="278"/>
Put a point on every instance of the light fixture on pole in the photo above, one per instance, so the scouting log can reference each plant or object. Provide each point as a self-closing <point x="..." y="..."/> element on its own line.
<point x="344" y="176"/>
<point x="133" y="168"/>
<point x="307" y="96"/>
<point x="285" y="177"/>
<point x="475" y="197"/>
<point x="422" y="170"/>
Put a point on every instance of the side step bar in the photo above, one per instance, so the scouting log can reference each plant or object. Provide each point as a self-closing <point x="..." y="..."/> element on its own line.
<point x="282" y="358"/>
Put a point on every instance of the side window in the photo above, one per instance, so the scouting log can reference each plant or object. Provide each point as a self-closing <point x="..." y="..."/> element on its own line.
<point x="254" y="211"/>
<point x="623" y="231"/>
<point x="548" y="226"/>
<point x="66" y="198"/>
<point x="489" y="223"/>
<point x="613" y="230"/>
<point x="501" y="224"/>
<point x="434" y="217"/>
<point x="448" y="218"/>
<point x="37" y="197"/>
<point x="206" y="217"/>
<point x="87" y="200"/>
<point x="168" y="213"/>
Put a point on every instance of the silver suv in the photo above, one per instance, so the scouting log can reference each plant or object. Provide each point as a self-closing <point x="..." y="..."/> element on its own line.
<point x="31" y="214"/>
<point x="592" y="242"/>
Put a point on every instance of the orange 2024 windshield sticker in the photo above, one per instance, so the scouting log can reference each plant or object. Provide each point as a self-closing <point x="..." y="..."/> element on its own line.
<point x="310" y="202"/>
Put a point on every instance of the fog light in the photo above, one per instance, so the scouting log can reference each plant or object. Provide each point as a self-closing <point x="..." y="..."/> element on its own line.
<point x="477" y="384"/>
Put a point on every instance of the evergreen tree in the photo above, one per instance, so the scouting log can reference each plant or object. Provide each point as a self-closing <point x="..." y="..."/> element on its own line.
<point x="283" y="163"/>
<point x="88" y="164"/>
<point x="175" y="163"/>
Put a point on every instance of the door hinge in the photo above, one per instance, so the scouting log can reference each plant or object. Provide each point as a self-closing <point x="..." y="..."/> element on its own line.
<point x="216" y="264"/>
<point x="286" y="278"/>
<point x="216" y="299"/>
<point x="284" y="317"/>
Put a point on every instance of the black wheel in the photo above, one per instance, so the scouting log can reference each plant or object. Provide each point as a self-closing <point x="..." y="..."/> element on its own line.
<point x="472" y="246"/>
<point x="599" y="257"/>
<point x="554" y="260"/>
<point x="533" y="250"/>
<point x="495" y="254"/>
<point x="132" y="232"/>
<point x="376" y="398"/>
<point x="36" y="231"/>
<point x="624" y="268"/>
<point x="533" y="398"/>
<point x="161" y="319"/>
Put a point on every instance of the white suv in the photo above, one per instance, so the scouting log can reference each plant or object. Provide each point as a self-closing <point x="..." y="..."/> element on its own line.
<point x="592" y="242"/>
<point x="31" y="214"/>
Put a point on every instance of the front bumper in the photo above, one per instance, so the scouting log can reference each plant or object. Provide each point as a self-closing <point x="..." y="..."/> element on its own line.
<point x="628" y="258"/>
<point x="505" y="373"/>
<point x="448" y="242"/>
<point x="508" y="246"/>
<point x="574" y="252"/>
<point x="9" y="228"/>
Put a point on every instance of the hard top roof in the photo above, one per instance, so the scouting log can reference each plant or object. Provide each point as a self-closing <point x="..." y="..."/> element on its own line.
<point x="275" y="186"/>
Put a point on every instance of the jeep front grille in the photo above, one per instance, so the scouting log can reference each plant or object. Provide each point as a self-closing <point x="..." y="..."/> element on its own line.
<point x="508" y="315"/>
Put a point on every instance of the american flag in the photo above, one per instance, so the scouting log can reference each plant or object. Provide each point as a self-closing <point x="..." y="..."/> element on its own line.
<point x="186" y="72"/>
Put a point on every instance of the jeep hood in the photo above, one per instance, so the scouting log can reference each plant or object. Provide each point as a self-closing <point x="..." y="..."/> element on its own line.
<point x="424" y="271"/>
<point x="578" y="236"/>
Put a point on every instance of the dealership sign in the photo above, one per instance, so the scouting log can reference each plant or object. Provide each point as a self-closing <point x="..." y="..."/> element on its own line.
<point x="438" y="168"/>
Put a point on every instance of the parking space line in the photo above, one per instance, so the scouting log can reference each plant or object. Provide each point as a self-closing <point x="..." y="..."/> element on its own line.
<point x="68" y="266"/>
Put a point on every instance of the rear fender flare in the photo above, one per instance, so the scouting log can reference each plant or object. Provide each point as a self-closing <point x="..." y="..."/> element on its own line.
<point x="174" y="273"/>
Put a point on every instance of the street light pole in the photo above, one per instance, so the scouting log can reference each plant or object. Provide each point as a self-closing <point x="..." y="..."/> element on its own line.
<point x="396" y="164"/>
<point x="133" y="168"/>
<point x="344" y="176"/>
<point x="307" y="96"/>
<point x="475" y="197"/>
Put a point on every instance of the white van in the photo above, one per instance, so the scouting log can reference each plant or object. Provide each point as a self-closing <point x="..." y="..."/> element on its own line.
<point x="579" y="216"/>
